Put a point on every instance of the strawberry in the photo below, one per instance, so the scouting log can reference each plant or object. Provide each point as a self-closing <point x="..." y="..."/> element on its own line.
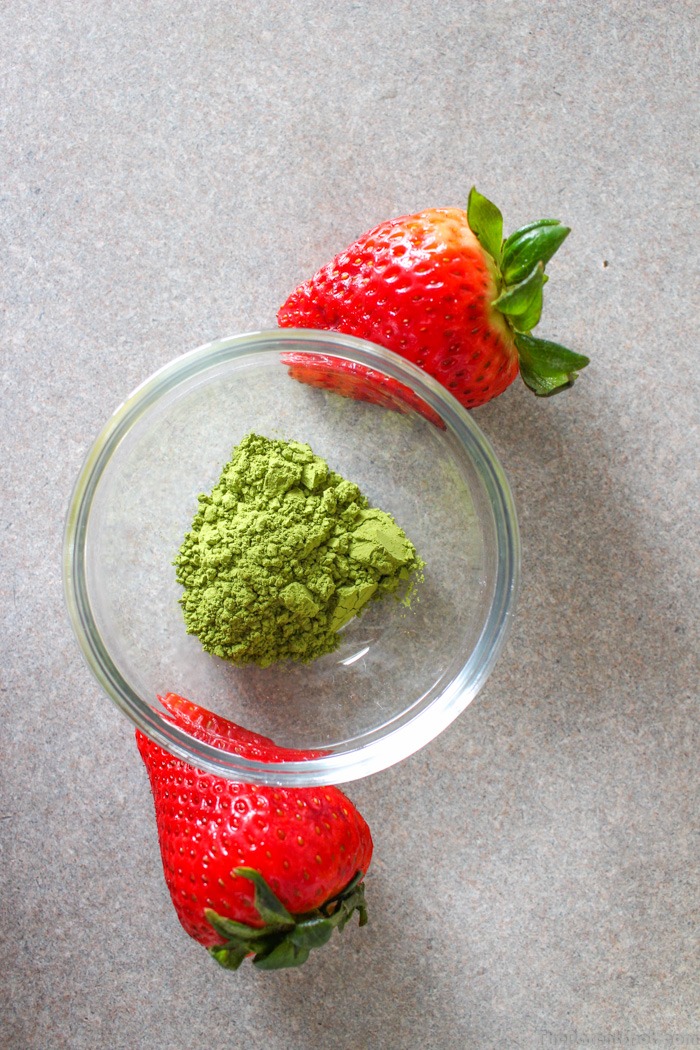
<point x="219" y="732"/>
<point x="359" y="382"/>
<point x="254" y="870"/>
<point x="446" y="291"/>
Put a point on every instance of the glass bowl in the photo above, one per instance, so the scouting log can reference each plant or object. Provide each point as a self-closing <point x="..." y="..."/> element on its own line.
<point x="400" y="676"/>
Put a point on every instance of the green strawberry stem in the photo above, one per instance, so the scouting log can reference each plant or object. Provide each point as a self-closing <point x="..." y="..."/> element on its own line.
<point x="520" y="262"/>
<point x="284" y="940"/>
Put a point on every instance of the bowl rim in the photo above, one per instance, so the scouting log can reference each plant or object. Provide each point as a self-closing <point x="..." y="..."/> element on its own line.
<point x="384" y="748"/>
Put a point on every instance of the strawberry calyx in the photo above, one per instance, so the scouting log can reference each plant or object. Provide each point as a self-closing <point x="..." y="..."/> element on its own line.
<point x="284" y="940"/>
<point x="520" y="262"/>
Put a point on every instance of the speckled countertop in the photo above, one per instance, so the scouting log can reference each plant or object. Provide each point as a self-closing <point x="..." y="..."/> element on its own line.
<point x="170" y="171"/>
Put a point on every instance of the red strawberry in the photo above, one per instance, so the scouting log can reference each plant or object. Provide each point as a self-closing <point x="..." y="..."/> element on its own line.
<point x="446" y="291"/>
<point x="219" y="732"/>
<point x="254" y="870"/>
<point x="357" y="381"/>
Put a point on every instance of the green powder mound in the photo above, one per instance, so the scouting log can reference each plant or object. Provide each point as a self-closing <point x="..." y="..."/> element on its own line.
<point x="283" y="553"/>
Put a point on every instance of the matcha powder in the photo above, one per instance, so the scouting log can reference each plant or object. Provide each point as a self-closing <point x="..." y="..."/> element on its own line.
<point x="283" y="553"/>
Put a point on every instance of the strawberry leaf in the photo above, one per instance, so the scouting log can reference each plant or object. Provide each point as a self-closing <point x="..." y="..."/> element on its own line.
<point x="312" y="932"/>
<point x="526" y="321"/>
<point x="272" y="912"/>
<point x="281" y="957"/>
<point x="486" y="223"/>
<point x="536" y="224"/>
<point x="518" y="299"/>
<point x="229" y="958"/>
<point x="547" y="367"/>
<point x="232" y="930"/>
<point x="531" y="245"/>
<point x="349" y="906"/>
<point x="283" y="942"/>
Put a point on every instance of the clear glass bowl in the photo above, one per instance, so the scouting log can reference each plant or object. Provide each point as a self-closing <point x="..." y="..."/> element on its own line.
<point x="400" y="675"/>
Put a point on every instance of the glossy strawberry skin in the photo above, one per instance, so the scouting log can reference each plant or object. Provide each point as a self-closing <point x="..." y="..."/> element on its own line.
<point x="356" y="381"/>
<point x="307" y="843"/>
<point x="220" y="732"/>
<point x="422" y="286"/>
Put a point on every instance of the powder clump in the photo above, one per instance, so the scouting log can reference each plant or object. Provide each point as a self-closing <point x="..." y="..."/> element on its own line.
<point x="283" y="553"/>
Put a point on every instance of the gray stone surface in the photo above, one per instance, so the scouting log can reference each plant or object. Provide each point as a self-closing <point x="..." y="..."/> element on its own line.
<point x="170" y="171"/>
